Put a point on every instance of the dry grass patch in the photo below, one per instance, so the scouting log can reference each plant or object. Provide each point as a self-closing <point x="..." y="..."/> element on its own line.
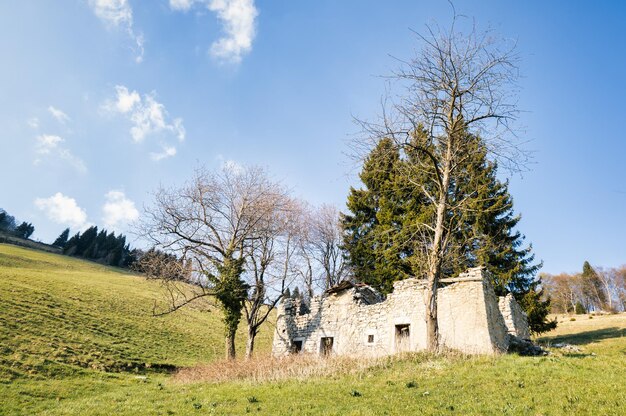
<point x="305" y="366"/>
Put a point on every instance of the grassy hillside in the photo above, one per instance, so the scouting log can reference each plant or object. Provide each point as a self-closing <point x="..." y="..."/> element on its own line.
<point x="60" y="316"/>
<point x="78" y="338"/>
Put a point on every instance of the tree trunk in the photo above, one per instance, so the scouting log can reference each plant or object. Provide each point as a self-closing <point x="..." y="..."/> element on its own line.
<point x="230" y="345"/>
<point x="436" y="256"/>
<point x="250" y="343"/>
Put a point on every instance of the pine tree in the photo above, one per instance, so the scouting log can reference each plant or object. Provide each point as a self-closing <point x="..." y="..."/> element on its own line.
<point x="24" y="230"/>
<point x="7" y="222"/>
<point x="374" y="221"/>
<point x="391" y="210"/>
<point x="61" y="240"/>
<point x="592" y="288"/>
<point x="71" y="247"/>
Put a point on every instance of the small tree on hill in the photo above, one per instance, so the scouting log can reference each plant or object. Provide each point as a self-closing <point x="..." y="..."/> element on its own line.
<point x="24" y="230"/>
<point x="62" y="238"/>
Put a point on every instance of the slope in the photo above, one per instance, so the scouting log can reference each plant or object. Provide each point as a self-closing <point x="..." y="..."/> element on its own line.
<point x="61" y="316"/>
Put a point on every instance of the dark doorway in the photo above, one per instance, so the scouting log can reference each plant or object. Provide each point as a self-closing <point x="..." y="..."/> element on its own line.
<point x="403" y="337"/>
<point x="326" y="346"/>
<point x="296" y="347"/>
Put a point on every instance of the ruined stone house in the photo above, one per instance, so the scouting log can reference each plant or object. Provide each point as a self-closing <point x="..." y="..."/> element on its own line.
<point x="355" y="320"/>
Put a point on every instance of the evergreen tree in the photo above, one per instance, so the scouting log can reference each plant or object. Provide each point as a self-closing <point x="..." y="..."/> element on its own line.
<point x="7" y="222"/>
<point x="86" y="242"/>
<point x="71" y="247"/>
<point x="592" y="288"/>
<point x="296" y="293"/>
<point x="24" y="230"/>
<point x="392" y="208"/>
<point x="61" y="240"/>
<point x="375" y="219"/>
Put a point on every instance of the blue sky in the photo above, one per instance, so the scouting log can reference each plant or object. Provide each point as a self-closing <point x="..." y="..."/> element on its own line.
<point x="102" y="101"/>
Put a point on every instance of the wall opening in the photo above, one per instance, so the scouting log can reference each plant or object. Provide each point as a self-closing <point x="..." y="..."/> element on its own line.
<point x="326" y="346"/>
<point x="296" y="347"/>
<point x="370" y="339"/>
<point x="403" y="337"/>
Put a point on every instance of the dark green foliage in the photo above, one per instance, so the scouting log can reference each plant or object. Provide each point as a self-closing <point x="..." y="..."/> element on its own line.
<point x="580" y="309"/>
<point x="62" y="238"/>
<point x="592" y="289"/>
<point x="7" y="222"/>
<point x="24" y="230"/>
<point x="102" y="247"/>
<point x="385" y="227"/>
<point x="536" y="308"/>
<point x="372" y="226"/>
<point x="230" y="291"/>
<point x="296" y="293"/>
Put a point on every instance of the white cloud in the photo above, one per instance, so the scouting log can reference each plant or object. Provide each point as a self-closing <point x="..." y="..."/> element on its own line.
<point x="181" y="4"/>
<point x="118" y="210"/>
<point x="63" y="210"/>
<point x="238" y="19"/>
<point x="33" y="122"/>
<point x="229" y="165"/>
<point x="73" y="160"/>
<point x="148" y="117"/>
<point x="125" y="100"/>
<point x="168" y="151"/>
<point x="48" y="145"/>
<point x="59" y="115"/>
<point x="119" y="14"/>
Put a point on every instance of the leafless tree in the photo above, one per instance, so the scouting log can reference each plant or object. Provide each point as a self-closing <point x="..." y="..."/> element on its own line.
<point x="459" y="88"/>
<point x="322" y="260"/>
<point x="211" y="223"/>
<point x="269" y="262"/>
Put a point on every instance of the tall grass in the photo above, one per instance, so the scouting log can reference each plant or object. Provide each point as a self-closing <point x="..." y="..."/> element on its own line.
<point x="263" y="368"/>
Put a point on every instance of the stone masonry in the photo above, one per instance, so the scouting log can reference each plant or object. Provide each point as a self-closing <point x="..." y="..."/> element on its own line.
<point x="354" y="320"/>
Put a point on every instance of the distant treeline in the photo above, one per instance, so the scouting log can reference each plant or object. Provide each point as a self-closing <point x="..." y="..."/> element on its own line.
<point x="593" y="290"/>
<point x="9" y="225"/>
<point x="107" y="248"/>
<point x="100" y="246"/>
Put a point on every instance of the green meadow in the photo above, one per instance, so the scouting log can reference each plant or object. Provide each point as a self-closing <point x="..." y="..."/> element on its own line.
<point x="79" y="338"/>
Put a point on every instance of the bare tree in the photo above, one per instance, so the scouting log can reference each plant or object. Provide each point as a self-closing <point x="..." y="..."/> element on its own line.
<point x="269" y="263"/>
<point x="456" y="92"/>
<point x="211" y="223"/>
<point x="322" y="260"/>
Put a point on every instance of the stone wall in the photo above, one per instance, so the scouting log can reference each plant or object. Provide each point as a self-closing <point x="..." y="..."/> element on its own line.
<point x="514" y="317"/>
<point x="363" y="325"/>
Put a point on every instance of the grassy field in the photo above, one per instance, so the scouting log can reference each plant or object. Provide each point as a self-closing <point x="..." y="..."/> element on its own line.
<point x="77" y="338"/>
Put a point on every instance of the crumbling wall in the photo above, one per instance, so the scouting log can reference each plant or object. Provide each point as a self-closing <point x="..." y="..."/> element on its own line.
<point x="468" y="315"/>
<point x="514" y="316"/>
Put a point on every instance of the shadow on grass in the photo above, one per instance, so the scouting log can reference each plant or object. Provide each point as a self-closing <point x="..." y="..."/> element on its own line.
<point x="586" y="337"/>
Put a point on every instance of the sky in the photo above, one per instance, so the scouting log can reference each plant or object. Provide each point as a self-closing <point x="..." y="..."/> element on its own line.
<point x="102" y="101"/>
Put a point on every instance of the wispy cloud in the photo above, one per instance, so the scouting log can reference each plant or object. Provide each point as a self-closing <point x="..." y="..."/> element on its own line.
<point x="33" y="122"/>
<point x="167" y="151"/>
<point x="59" y="115"/>
<point x="238" y="18"/>
<point x="63" y="210"/>
<point x="46" y="143"/>
<point x="148" y="117"/>
<point x="230" y="165"/>
<point x="49" y="146"/>
<point x="118" y="210"/>
<point x="119" y="14"/>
